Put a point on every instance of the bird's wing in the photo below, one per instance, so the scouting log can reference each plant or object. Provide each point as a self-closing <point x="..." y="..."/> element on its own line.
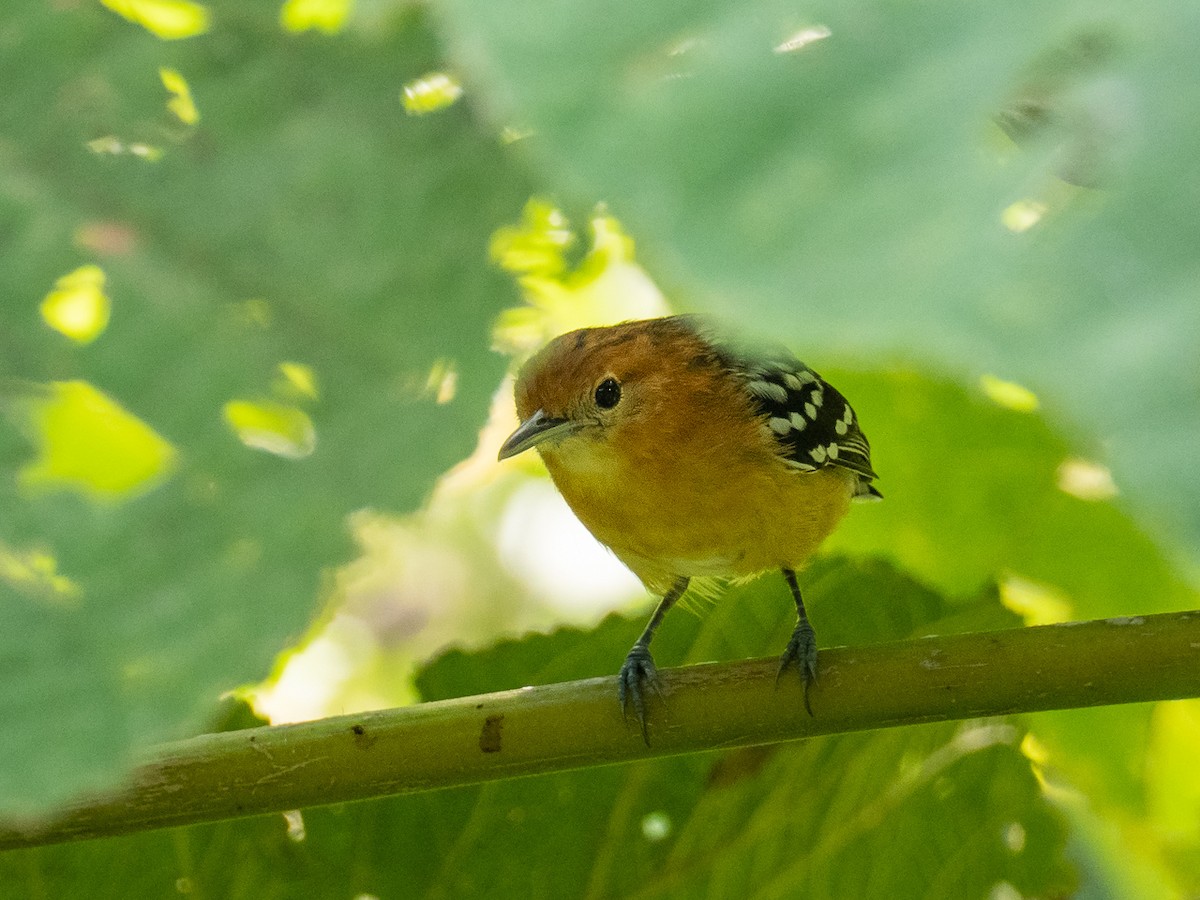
<point x="812" y="422"/>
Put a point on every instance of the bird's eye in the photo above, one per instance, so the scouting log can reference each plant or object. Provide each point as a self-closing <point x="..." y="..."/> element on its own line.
<point x="608" y="393"/>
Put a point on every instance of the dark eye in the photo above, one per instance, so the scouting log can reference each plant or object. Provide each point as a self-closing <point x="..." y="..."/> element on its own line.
<point x="608" y="393"/>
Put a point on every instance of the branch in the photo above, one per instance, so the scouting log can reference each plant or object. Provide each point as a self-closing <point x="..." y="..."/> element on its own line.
<point x="536" y="730"/>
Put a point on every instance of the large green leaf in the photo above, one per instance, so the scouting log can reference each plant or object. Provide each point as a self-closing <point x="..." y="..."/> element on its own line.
<point x="305" y="219"/>
<point x="913" y="813"/>
<point x="973" y="493"/>
<point x="945" y="810"/>
<point x="834" y="173"/>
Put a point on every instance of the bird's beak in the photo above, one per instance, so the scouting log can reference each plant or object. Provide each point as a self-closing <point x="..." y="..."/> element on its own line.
<point x="535" y="430"/>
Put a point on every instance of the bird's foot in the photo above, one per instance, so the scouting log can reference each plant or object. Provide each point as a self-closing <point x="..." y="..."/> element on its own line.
<point x="801" y="651"/>
<point x="637" y="672"/>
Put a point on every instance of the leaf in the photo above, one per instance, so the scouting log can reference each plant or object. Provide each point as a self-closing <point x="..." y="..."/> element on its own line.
<point x="306" y="258"/>
<point x="848" y="190"/>
<point x="972" y="492"/>
<point x="942" y="810"/>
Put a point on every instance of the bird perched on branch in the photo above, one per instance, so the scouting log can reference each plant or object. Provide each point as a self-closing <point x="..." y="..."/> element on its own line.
<point x="689" y="457"/>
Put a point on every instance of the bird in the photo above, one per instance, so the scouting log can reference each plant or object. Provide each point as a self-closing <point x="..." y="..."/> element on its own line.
<point x="690" y="454"/>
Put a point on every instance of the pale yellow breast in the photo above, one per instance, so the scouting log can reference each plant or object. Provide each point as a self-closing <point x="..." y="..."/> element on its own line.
<point x="733" y="510"/>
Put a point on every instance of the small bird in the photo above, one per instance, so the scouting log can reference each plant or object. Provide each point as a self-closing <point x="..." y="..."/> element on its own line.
<point x="689" y="456"/>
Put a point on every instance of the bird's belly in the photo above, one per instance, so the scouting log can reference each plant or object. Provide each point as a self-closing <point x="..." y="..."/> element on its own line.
<point x="662" y="528"/>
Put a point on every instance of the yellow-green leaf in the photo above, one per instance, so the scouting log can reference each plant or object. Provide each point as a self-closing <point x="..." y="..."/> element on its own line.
<point x="272" y="427"/>
<point x="328" y="16"/>
<point x="167" y="19"/>
<point x="78" y="306"/>
<point x="89" y="444"/>
<point x="181" y="102"/>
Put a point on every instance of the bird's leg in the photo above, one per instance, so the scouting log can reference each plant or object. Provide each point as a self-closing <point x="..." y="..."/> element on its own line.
<point x="802" y="648"/>
<point x="638" y="669"/>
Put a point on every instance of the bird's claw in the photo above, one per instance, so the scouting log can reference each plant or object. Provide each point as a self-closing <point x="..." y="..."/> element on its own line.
<point x="637" y="672"/>
<point x="801" y="651"/>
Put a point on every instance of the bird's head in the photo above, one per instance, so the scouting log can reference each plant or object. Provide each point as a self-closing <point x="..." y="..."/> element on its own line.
<point x="595" y="383"/>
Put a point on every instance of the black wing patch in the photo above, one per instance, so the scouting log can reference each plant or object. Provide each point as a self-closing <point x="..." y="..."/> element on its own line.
<point x="813" y="423"/>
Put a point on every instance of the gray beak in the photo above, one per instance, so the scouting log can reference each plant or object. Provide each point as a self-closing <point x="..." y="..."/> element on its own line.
<point x="533" y="431"/>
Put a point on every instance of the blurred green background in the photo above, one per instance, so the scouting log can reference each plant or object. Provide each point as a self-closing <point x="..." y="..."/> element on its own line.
<point x="266" y="266"/>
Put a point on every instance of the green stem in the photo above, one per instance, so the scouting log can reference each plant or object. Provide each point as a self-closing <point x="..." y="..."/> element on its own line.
<point x="577" y="724"/>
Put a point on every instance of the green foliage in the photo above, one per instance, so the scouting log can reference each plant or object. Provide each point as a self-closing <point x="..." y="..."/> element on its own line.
<point x="849" y="192"/>
<point x="997" y="510"/>
<point x="843" y="817"/>
<point x="293" y="320"/>
<point x="306" y="220"/>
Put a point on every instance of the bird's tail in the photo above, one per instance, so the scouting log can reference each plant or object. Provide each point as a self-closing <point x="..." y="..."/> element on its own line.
<point x="865" y="492"/>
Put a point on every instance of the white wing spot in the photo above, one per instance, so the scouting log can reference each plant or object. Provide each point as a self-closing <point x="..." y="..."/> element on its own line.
<point x="833" y="451"/>
<point x="810" y="410"/>
<point x="818" y="397"/>
<point x="817" y="453"/>
<point x="792" y="381"/>
<point x="768" y="390"/>
<point x="841" y="427"/>
<point x="780" y="426"/>
<point x="803" y="467"/>
<point x="797" y="421"/>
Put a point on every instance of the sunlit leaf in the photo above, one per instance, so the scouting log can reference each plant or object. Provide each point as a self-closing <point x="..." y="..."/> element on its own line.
<point x="328" y="16"/>
<point x="299" y="379"/>
<point x="276" y="428"/>
<point x="537" y="244"/>
<point x="1037" y="604"/>
<point x="1023" y="215"/>
<point x="429" y="93"/>
<point x="1174" y="789"/>
<point x="181" y="102"/>
<point x="1086" y="480"/>
<point x="88" y="443"/>
<point x="1009" y="394"/>
<point x="167" y="19"/>
<point x="78" y="306"/>
<point x="114" y="146"/>
<point x="607" y="286"/>
<point x="34" y="573"/>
